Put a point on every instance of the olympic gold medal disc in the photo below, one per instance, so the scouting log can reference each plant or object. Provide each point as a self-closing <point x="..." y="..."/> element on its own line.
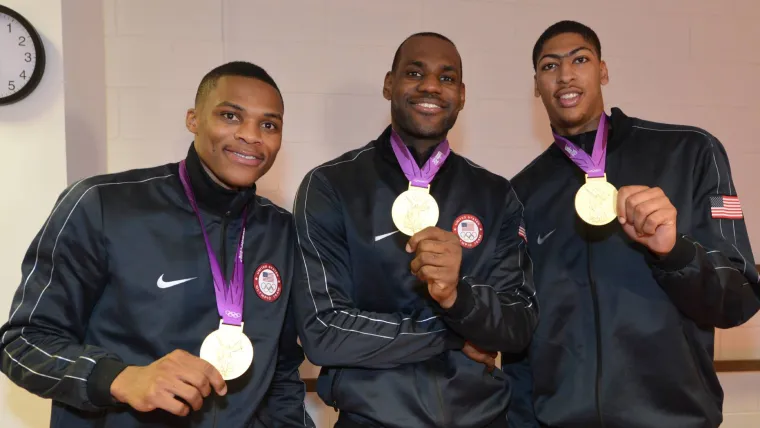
<point x="414" y="210"/>
<point x="596" y="201"/>
<point x="229" y="350"/>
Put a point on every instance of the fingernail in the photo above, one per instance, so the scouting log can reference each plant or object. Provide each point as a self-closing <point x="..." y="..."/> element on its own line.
<point x="408" y="248"/>
<point x="621" y="220"/>
<point x="224" y="390"/>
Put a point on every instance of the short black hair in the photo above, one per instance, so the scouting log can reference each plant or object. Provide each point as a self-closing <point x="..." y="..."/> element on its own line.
<point x="234" y="68"/>
<point x="563" y="27"/>
<point x="422" y="34"/>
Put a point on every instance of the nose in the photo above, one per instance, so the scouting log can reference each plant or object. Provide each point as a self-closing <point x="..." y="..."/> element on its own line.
<point x="566" y="72"/>
<point x="249" y="132"/>
<point x="430" y="84"/>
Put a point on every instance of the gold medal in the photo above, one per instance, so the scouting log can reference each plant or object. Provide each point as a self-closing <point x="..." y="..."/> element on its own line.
<point x="229" y="350"/>
<point x="414" y="210"/>
<point x="596" y="201"/>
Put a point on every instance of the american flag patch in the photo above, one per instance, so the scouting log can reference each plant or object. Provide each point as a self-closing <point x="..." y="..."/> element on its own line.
<point x="521" y="231"/>
<point x="727" y="207"/>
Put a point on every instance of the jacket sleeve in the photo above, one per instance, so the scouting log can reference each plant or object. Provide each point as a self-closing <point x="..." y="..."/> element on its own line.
<point x="63" y="275"/>
<point x="334" y="332"/>
<point x="520" y="413"/>
<point x="287" y="392"/>
<point x="499" y="312"/>
<point x="710" y="274"/>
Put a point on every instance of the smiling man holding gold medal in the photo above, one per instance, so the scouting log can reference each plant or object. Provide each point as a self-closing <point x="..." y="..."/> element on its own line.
<point x="416" y="267"/>
<point x="159" y="296"/>
<point x="640" y="252"/>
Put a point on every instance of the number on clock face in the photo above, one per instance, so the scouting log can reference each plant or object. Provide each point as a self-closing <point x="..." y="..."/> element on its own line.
<point x="18" y="56"/>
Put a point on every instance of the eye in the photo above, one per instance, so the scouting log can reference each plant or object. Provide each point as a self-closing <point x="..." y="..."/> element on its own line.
<point x="269" y="126"/>
<point x="581" y="60"/>
<point x="549" y="66"/>
<point x="414" y="74"/>
<point x="229" y="116"/>
<point x="447" y="79"/>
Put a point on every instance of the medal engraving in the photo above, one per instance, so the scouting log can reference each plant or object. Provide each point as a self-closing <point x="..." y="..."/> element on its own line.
<point x="414" y="210"/>
<point x="229" y="350"/>
<point x="596" y="201"/>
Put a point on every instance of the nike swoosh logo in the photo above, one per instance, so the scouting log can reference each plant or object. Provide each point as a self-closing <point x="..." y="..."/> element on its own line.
<point x="541" y="239"/>
<point x="166" y="284"/>
<point x="379" y="237"/>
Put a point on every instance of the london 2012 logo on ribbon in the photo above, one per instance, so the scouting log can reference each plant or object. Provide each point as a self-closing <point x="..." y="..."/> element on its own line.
<point x="267" y="282"/>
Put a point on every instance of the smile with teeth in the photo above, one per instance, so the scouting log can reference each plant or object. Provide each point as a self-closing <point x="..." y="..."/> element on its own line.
<point x="570" y="96"/>
<point x="240" y="155"/>
<point x="428" y="105"/>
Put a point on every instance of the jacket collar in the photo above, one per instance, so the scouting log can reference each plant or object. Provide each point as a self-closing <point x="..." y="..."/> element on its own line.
<point x="383" y="144"/>
<point x="211" y="196"/>
<point x="620" y="129"/>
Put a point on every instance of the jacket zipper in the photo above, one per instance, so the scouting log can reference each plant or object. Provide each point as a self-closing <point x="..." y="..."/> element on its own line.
<point x="223" y="265"/>
<point x="597" y="326"/>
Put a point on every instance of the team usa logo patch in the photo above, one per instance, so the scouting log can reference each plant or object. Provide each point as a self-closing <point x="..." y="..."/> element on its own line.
<point x="469" y="229"/>
<point x="267" y="282"/>
<point x="727" y="207"/>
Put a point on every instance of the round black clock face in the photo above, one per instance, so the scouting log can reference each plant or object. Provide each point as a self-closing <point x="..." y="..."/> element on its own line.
<point x="22" y="57"/>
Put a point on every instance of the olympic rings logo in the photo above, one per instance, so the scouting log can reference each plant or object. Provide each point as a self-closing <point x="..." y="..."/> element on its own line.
<point x="231" y="314"/>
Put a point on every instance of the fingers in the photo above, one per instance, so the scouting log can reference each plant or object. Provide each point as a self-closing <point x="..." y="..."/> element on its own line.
<point x="215" y="378"/>
<point x="205" y="369"/>
<point x="198" y="380"/>
<point x="428" y="233"/>
<point x="624" y="194"/>
<point x="635" y="206"/>
<point x="166" y="401"/>
<point x="427" y="259"/>
<point x="187" y="392"/>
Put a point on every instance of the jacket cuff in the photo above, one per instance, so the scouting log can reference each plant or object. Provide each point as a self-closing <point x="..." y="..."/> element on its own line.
<point x="100" y="380"/>
<point x="678" y="258"/>
<point x="464" y="303"/>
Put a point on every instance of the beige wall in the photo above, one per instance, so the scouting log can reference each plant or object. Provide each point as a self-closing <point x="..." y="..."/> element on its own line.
<point x="682" y="61"/>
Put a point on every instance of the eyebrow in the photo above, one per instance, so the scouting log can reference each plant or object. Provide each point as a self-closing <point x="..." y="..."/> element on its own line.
<point x="239" y="108"/>
<point x="560" y="56"/>
<point x="420" y="64"/>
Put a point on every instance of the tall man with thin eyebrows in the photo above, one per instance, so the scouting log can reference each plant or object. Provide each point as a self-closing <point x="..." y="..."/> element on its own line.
<point x="640" y="252"/>
<point x="416" y="266"/>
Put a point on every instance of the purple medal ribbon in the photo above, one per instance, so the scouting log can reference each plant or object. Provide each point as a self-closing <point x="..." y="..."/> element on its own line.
<point x="229" y="300"/>
<point x="419" y="177"/>
<point x="592" y="165"/>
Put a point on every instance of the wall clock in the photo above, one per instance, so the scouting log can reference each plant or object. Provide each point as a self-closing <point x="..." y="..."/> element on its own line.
<point x="22" y="57"/>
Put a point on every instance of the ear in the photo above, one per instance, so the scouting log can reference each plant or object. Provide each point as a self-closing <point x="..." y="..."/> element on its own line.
<point x="604" y="73"/>
<point x="387" y="83"/>
<point x="462" y="97"/>
<point x="535" y="87"/>
<point x="191" y="121"/>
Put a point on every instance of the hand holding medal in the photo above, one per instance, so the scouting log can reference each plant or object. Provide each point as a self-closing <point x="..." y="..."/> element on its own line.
<point x="437" y="262"/>
<point x="648" y="217"/>
<point x="162" y="384"/>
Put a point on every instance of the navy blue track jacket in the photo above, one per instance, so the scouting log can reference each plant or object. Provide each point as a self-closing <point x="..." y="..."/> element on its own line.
<point x="119" y="275"/>
<point x="626" y="340"/>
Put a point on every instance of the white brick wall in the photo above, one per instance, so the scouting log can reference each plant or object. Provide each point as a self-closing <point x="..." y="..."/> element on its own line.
<point x="682" y="61"/>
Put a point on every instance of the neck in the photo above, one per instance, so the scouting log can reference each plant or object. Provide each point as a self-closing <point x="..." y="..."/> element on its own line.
<point x="214" y="178"/>
<point x="420" y="145"/>
<point x="589" y="125"/>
